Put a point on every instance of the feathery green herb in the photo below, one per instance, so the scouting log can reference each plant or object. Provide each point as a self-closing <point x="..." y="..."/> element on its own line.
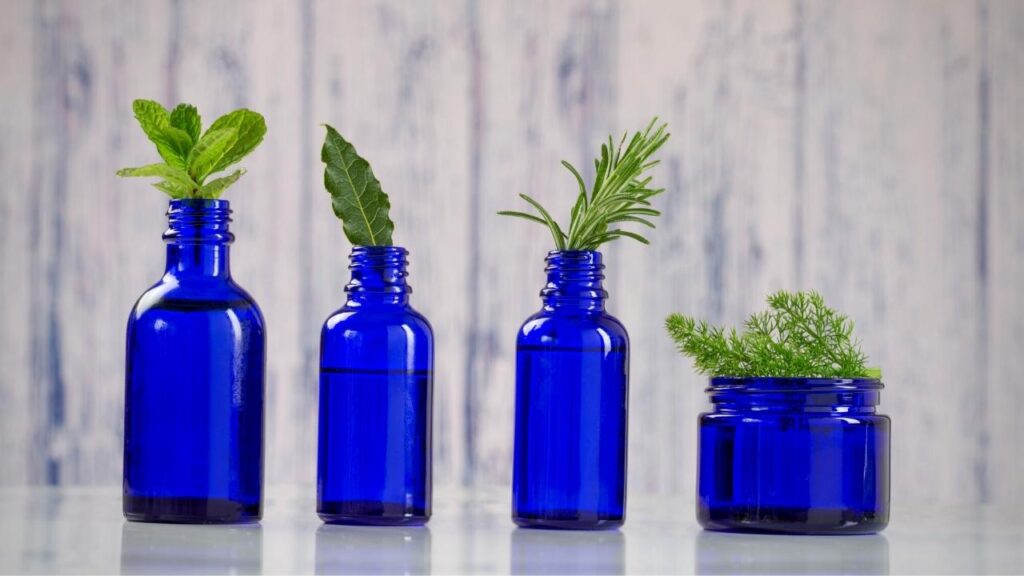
<point x="191" y="155"/>
<point x="356" y="194"/>
<point x="620" y="194"/>
<point x="797" y="337"/>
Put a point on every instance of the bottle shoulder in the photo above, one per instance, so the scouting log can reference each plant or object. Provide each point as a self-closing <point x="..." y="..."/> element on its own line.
<point x="601" y="330"/>
<point x="381" y="318"/>
<point x="207" y="295"/>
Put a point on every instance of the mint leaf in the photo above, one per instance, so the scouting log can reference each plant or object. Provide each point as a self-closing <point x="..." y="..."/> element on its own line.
<point x="170" y="173"/>
<point x="190" y="155"/>
<point x="356" y="194"/>
<point x="214" y="188"/>
<point x="185" y="117"/>
<point x="250" y="128"/>
<point x="209" y="152"/>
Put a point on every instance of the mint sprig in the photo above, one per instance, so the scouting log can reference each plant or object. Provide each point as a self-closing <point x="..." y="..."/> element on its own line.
<point x="190" y="156"/>
<point x="356" y="195"/>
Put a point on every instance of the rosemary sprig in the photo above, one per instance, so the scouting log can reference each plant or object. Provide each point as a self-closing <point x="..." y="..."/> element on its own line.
<point x="620" y="194"/>
<point x="797" y="337"/>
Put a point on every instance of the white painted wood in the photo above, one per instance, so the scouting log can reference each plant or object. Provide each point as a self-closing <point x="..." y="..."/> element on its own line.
<point x="871" y="150"/>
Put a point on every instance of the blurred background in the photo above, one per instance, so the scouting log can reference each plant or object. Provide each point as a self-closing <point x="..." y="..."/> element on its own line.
<point x="870" y="150"/>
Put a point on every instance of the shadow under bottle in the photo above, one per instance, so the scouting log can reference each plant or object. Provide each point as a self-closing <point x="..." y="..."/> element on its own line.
<point x="572" y="364"/>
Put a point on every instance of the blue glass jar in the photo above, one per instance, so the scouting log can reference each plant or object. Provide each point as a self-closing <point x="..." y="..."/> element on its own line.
<point x="794" y="455"/>
<point x="572" y="365"/>
<point x="194" y="382"/>
<point x="376" y="386"/>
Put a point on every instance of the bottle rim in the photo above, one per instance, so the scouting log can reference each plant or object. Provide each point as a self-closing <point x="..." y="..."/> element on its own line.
<point x="777" y="384"/>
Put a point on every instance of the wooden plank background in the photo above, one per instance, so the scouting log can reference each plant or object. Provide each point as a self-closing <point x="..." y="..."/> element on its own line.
<point x="872" y="150"/>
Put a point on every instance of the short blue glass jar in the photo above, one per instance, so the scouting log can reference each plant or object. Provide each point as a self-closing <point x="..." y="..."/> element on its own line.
<point x="376" y="387"/>
<point x="794" y="455"/>
<point x="572" y="402"/>
<point x="194" y="382"/>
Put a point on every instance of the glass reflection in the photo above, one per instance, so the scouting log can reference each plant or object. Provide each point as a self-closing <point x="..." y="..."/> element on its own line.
<point x="372" y="550"/>
<point x="568" y="552"/>
<point x="724" y="553"/>
<point x="180" y="549"/>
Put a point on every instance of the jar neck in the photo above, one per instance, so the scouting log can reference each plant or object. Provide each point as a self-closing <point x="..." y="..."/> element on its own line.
<point x="831" y="395"/>
<point x="198" y="238"/>
<point x="378" y="276"/>
<point x="574" y="281"/>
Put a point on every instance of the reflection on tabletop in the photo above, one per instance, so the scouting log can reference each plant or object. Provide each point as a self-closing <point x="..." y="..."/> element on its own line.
<point x="568" y="552"/>
<point x="191" y="549"/>
<point x="372" y="550"/>
<point x="725" y="553"/>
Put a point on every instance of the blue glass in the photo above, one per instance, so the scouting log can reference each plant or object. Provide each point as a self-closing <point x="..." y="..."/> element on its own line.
<point x="376" y="385"/>
<point x="794" y="455"/>
<point x="194" y="382"/>
<point x="572" y="366"/>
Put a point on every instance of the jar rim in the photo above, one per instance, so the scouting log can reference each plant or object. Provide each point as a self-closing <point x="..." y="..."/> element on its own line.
<point x="790" y="384"/>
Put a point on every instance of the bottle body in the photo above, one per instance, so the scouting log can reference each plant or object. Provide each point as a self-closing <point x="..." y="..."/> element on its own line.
<point x="572" y="364"/>
<point x="193" y="438"/>
<point x="376" y="396"/>
<point x="807" y="456"/>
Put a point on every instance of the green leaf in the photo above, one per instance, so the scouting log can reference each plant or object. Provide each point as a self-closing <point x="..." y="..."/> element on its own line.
<point x="214" y="188"/>
<point x="185" y="117"/>
<point x="152" y="116"/>
<point x="174" y="145"/>
<point x="529" y="217"/>
<point x="556" y="230"/>
<point x="356" y="194"/>
<point x="250" y="128"/>
<point x="209" y="152"/>
<point x="170" y="173"/>
<point x="172" y="189"/>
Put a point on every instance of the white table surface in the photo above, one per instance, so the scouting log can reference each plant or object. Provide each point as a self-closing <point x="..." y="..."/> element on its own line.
<point x="81" y="530"/>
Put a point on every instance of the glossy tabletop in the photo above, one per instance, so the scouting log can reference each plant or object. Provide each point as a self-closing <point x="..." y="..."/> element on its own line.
<point x="81" y="530"/>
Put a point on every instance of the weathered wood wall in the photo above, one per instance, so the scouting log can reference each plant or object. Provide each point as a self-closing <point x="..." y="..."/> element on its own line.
<point x="872" y="150"/>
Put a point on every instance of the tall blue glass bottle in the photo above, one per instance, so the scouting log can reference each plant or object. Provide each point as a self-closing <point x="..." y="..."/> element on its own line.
<point x="794" y="455"/>
<point x="376" y="386"/>
<point x="194" y="382"/>
<point x="572" y="365"/>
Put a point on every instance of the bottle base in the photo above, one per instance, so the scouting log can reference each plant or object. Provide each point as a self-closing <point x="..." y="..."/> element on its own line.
<point x="816" y="521"/>
<point x="189" y="510"/>
<point x="567" y="522"/>
<point x="363" y="513"/>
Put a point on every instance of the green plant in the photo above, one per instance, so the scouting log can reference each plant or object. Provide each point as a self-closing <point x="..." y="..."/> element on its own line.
<point x="619" y="194"/>
<point x="797" y="337"/>
<point x="191" y="155"/>
<point x="356" y="194"/>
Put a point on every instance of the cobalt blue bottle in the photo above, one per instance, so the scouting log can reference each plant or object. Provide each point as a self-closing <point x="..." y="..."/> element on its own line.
<point x="193" y="430"/>
<point x="376" y="386"/>
<point x="794" y="455"/>
<point x="572" y="365"/>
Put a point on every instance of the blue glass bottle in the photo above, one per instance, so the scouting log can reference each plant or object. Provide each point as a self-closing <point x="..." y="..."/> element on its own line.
<point x="572" y="365"/>
<point x="794" y="455"/>
<point x="194" y="382"/>
<point x="376" y="386"/>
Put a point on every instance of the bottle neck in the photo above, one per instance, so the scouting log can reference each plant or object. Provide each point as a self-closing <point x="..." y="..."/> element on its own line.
<point x="574" y="281"/>
<point x="198" y="238"/>
<point x="378" y="276"/>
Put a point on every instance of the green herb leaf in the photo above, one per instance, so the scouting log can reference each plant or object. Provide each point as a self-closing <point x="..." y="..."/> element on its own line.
<point x="191" y="156"/>
<point x="185" y="117"/>
<point x="250" y="128"/>
<point x="214" y="188"/>
<point x="618" y="195"/>
<point x="210" y="151"/>
<point x="356" y="194"/>
<point x="171" y="173"/>
<point x="797" y="337"/>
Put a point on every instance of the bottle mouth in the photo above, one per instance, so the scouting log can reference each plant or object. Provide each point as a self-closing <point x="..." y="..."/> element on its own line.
<point x="774" y="384"/>
<point x="574" y="277"/>
<point x="378" y="269"/>
<point x="808" y="394"/>
<point x="572" y="260"/>
<point x="193" y="220"/>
